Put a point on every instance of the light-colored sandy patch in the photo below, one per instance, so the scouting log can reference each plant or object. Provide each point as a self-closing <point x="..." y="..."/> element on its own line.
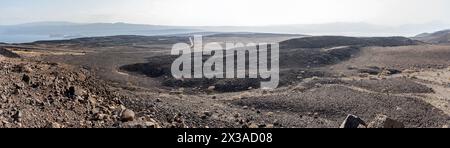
<point x="41" y="53"/>
<point x="439" y="81"/>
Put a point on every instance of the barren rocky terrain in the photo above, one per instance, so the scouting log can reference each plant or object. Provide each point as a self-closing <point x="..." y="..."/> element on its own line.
<point x="439" y="37"/>
<point x="123" y="82"/>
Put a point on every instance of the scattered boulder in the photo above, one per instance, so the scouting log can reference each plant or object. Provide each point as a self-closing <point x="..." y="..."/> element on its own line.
<point x="127" y="115"/>
<point x="352" y="121"/>
<point x="383" y="121"/>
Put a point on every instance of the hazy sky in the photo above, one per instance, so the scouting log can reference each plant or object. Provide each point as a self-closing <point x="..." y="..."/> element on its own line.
<point x="226" y="12"/>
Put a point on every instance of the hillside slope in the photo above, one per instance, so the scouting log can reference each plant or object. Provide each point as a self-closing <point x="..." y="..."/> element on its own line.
<point x="435" y="38"/>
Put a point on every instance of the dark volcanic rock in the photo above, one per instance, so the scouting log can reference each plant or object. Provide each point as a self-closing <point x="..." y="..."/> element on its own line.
<point x="336" y="102"/>
<point x="7" y="53"/>
<point x="352" y="121"/>
<point x="335" y="41"/>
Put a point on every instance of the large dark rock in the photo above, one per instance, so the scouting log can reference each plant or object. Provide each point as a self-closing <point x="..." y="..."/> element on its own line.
<point x="6" y="53"/>
<point x="352" y="121"/>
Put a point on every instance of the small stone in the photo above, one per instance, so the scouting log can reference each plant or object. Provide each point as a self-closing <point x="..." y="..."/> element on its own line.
<point x="269" y="114"/>
<point x="245" y="107"/>
<point x="127" y="115"/>
<point x="253" y="125"/>
<point x="158" y="100"/>
<point x="211" y="88"/>
<point x="270" y="126"/>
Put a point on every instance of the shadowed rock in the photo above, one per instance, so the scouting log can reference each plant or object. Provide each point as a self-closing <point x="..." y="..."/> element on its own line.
<point x="352" y="121"/>
<point x="6" y="53"/>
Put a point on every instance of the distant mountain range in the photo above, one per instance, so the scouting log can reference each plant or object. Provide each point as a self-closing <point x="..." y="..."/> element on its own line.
<point x="95" y="29"/>
<point x="66" y="30"/>
<point x="436" y="37"/>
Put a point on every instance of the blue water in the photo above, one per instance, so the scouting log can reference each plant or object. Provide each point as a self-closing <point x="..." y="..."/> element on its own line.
<point x="25" y="38"/>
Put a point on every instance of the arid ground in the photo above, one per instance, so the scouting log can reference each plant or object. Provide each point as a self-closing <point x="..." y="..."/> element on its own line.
<point x="111" y="82"/>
